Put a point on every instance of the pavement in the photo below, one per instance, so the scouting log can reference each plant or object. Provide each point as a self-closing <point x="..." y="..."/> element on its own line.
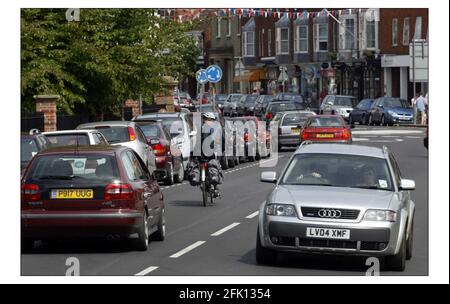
<point x="220" y="239"/>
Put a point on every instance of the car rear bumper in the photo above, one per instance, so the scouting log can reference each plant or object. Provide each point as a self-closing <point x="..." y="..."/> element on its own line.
<point x="323" y="141"/>
<point x="377" y="240"/>
<point x="53" y="224"/>
<point x="289" y="140"/>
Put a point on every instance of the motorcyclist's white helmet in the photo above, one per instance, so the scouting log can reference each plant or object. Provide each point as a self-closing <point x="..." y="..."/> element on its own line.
<point x="209" y="115"/>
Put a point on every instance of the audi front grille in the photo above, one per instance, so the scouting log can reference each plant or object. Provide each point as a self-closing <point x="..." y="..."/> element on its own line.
<point x="330" y="213"/>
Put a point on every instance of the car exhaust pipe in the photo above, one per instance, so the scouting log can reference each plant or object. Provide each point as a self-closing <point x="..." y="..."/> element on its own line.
<point x="109" y="237"/>
<point x="117" y="237"/>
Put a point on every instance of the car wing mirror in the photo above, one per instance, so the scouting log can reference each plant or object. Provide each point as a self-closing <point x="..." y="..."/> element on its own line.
<point x="269" y="177"/>
<point x="407" y="184"/>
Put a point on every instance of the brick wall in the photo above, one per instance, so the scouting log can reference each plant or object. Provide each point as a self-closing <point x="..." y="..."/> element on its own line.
<point x="385" y="34"/>
<point x="47" y="104"/>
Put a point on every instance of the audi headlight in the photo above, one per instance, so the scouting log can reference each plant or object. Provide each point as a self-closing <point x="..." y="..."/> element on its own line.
<point x="380" y="216"/>
<point x="280" y="210"/>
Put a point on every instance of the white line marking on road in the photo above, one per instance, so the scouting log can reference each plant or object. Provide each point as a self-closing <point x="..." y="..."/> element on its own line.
<point x="187" y="249"/>
<point x="389" y="136"/>
<point x="252" y="215"/>
<point x="223" y="230"/>
<point x="387" y="132"/>
<point x="414" y="137"/>
<point x="398" y="139"/>
<point x="147" y="271"/>
<point x="360" y="139"/>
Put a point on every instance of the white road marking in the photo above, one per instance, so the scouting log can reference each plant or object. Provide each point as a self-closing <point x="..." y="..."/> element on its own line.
<point x="389" y="136"/>
<point x="252" y="215"/>
<point x="223" y="230"/>
<point x="398" y="139"/>
<point x="360" y="139"/>
<point x="414" y="137"/>
<point x="147" y="271"/>
<point x="187" y="249"/>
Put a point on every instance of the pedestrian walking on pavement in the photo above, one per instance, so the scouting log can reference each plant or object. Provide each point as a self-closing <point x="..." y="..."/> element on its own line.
<point x="420" y="104"/>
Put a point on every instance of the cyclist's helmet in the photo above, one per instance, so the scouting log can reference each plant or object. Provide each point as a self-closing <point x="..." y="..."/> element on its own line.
<point x="209" y="115"/>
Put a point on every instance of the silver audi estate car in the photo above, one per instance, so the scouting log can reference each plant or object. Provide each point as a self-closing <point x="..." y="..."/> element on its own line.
<point x="338" y="199"/>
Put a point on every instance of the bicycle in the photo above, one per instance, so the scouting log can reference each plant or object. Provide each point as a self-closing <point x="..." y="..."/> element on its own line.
<point x="208" y="190"/>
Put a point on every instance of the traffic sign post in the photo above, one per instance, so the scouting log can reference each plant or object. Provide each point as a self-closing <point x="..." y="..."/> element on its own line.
<point x="212" y="74"/>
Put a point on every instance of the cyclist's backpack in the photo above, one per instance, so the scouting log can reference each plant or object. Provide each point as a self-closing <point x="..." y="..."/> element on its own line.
<point x="215" y="173"/>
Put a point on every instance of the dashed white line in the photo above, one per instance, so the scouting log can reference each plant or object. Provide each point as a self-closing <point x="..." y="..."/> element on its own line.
<point x="360" y="139"/>
<point x="147" y="271"/>
<point x="223" y="230"/>
<point x="187" y="249"/>
<point x="252" y="215"/>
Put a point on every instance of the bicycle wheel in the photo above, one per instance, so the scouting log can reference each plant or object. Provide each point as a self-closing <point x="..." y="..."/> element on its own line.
<point x="204" y="194"/>
<point x="211" y="195"/>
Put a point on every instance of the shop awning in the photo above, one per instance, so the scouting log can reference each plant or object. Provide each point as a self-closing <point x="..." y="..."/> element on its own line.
<point x="251" y="77"/>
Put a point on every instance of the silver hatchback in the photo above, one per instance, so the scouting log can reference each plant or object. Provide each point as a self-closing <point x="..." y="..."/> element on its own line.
<point x="341" y="199"/>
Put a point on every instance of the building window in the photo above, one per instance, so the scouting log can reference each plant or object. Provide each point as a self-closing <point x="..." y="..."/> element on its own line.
<point x="261" y="43"/>
<point x="219" y="28"/>
<point x="282" y="40"/>
<point x="394" y="32"/>
<point x="349" y="37"/>
<point x="321" y="37"/>
<point x="229" y="27"/>
<point x="418" y="28"/>
<point x="249" y="44"/>
<point x="269" y="42"/>
<point x="406" y="31"/>
<point x="301" y="39"/>
<point x="370" y="34"/>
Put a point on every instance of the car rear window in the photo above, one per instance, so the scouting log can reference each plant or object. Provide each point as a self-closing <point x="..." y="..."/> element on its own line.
<point x="345" y="101"/>
<point x="115" y="134"/>
<point x="295" y="119"/>
<point x="331" y="121"/>
<point x="74" y="167"/>
<point x="150" y="130"/>
<point x="28" y="149"/>
<point x="338" y="170"/>
<point x="58" y="140"/>
<point x="274" y="108"/>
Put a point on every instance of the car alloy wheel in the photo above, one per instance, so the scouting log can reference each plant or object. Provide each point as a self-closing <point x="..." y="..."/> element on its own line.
<point x="179" y="177"/>
<point x="143" y="236"/>
<point x="160" y="233"/>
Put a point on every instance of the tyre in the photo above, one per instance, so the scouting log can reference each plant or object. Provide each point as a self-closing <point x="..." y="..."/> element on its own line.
<point x="383" y="121"/>
<point x="170" y="176"/>
<point x="258" y="157"/>
<point x="141" y="244"/>
<point x="179" y="177"/>
<point x="397" y="262"/>
<point x="370" y="122"/>
<point x="364" y="120"/>
<point x="410" y="242"/>
<point x="204" y="194"/>
<point x="27" y="245"/>
<point x="236" y="161"/>
<point x="231" y="162"/>
<point x="350" y="121"/>
<point x="264" y="256"/>
<point x="224" y="162"/>
<point x="211" y="197"/>
<point x="251" y="158"/>
<point x="160" y="234"/>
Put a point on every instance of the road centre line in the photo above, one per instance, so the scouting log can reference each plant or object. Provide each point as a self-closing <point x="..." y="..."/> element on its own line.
<point x="187" y="249"/>
<point x="223" y="230"/>
<point x="147" y="271"/>
<point x="254" y="214"/>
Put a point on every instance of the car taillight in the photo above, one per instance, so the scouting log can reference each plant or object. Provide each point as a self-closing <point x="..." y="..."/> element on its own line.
<point x="118" y="192"/>
<point x="159" y="149"/>
<point x="342" y="135"/>
<point x="269" y="116"/>
<point x="305" y="135"/>
<point x="31" y="192"/>
<point x="131" y="133"/>
<point x="204" y="165"/>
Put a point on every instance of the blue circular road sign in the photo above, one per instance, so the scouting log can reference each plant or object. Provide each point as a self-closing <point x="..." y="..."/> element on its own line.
<point x="214" y="73"/>
<point x="201" y="76"/>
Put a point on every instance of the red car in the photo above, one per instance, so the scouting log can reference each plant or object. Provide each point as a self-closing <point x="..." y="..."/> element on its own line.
<point x="169" y="164"/>
<point x="90" y="191"/>
<point x="326" y="129"/>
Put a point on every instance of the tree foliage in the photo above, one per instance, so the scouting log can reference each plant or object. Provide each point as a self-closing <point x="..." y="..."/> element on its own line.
<point x="108" y="56"/>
